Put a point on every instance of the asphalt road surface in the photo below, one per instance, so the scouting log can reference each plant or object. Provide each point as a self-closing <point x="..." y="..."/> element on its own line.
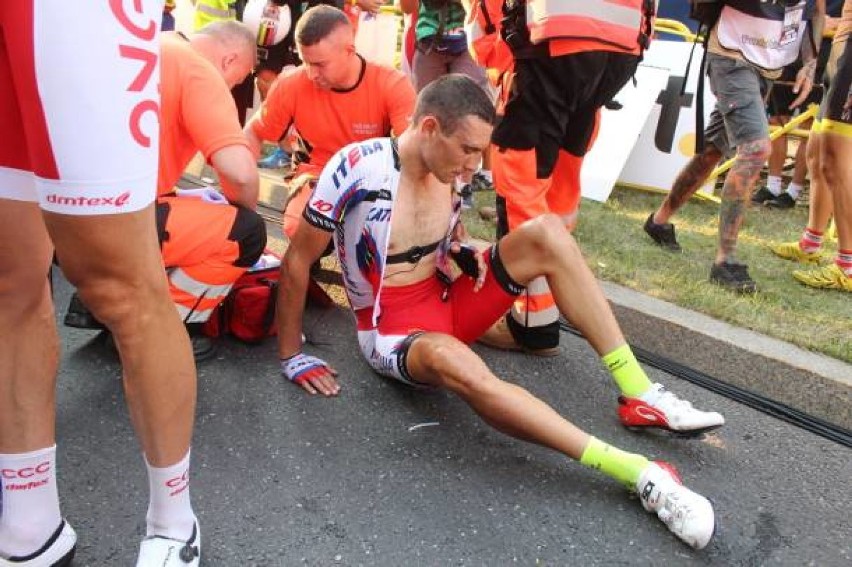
<point x="384" y="475"/>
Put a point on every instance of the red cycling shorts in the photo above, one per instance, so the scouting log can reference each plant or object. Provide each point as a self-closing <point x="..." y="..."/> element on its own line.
<point x="430" y="306"/>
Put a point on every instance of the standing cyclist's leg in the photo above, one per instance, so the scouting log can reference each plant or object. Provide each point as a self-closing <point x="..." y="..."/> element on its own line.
<point x="29" y="348"/>
<point x="29" y="353"/>
<point x="820" y="207"/>
<point x="95" y="176"/>
<point x="836" y="150"/>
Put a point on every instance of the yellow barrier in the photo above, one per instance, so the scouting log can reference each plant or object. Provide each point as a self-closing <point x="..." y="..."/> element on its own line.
<point x="674" y="27"/>
<point x="774" y="133"/>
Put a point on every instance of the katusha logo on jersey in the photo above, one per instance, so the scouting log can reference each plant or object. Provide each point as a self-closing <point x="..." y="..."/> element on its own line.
<point x="63" y="200"/>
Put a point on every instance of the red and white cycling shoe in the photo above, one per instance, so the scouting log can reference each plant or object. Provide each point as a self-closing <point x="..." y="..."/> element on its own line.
<point x="662" y="409"/>
<point x="687" y="514"/>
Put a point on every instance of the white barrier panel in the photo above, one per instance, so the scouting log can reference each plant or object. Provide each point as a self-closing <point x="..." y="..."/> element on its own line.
<point x="667" y="140"/>
<point x="619" y="130"/>
<point x="377" y="36"/>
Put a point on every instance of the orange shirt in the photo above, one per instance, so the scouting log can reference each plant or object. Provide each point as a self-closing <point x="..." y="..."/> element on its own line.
<point x="326" y="120"/>
<point x="197" y="111"/>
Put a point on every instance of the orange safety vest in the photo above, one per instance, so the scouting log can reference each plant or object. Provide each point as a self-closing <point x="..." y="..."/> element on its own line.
<point x="617" y="22"/>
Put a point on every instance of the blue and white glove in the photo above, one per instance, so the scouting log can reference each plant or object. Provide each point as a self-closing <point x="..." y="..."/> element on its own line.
<point x="301" y="367"/>
<point x="206" y="194"/>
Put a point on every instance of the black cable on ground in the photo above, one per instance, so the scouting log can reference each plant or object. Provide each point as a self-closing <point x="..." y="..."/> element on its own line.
<point x="755" y="401"/>
<point x="758" y="402"/>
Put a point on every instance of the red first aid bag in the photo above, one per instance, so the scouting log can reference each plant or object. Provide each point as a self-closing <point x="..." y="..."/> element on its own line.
<point x="248" y="312"/>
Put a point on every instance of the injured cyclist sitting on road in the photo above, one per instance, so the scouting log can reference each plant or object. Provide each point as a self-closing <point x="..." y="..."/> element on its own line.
<point x="391" y="210"/>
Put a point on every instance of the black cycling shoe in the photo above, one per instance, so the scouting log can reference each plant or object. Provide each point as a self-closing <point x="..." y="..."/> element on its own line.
<point x="203" y="347"/>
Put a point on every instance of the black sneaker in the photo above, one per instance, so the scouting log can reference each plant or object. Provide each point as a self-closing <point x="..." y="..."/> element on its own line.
<point x="762" y="195"/>
<point x="782" y="201"/>
<point x="467" y="197"/>
<point x="733" y="276"/>
<point x="481" y="183"/>
<point x="662" y="234"/>
<point x="80" y="317"/>
<point x="203" y="347"/>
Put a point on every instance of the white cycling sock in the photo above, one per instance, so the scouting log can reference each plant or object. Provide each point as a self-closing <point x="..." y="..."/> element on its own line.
<point x="794" y="189"/>
<point x="773" y="183"/>
<point x="30" y="512"/>
<point x="169" y="509"/>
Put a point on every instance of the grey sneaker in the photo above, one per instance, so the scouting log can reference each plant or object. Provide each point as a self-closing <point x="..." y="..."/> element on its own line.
<point x="662" y="234"/>
<point x="733" y="276"/>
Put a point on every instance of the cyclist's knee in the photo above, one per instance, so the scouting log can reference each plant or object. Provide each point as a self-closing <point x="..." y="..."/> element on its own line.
<point x="25" y="297"/>
<point x="120" y="302"/>
<point x="449" y="359"/>
<point x="546" y="237"/>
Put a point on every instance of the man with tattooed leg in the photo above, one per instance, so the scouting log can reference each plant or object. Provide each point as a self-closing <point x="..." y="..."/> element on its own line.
<point x="748" y="47"/>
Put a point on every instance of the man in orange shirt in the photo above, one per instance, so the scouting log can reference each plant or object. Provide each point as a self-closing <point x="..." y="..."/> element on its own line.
<point x="208" y="239"/>
<point x="334" y="98"/>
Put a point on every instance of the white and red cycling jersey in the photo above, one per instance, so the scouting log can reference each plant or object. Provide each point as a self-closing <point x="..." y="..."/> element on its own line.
<point x="79" y="104"/>
<point x="353" y="198"/>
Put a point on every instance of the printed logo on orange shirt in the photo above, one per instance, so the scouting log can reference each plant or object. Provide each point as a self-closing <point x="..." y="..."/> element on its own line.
<point x="366" y="129"/>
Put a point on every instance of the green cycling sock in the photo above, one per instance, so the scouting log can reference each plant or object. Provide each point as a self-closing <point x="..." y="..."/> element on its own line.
<point x="613" y="462"/>
<point x="631" y="379"/>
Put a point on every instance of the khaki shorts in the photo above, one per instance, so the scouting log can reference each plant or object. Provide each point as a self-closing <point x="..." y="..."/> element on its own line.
<point x="740" y="113"/>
